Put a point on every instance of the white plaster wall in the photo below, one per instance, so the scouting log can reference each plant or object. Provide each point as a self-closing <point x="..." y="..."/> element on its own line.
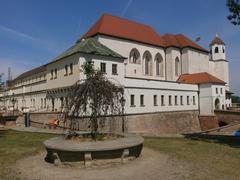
<point x="185" y="61"/>
<point x="97" y="60"/>
<point x="221" y="71"/>
<point x="148" y="88"/>
<point x="197" y="61"/>
<point x="211" y="67"/>
<point x="220" y="54"/>
<point x="62" y="80"/>
<point x="124" y="47"/>
<point x="207" y="97"/>
<point x="171" y="55"/>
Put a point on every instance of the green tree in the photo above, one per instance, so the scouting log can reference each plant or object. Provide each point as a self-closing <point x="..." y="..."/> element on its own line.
<point x="94" y="99"/>
<point x="234" y="9"/>
<point x="235" y="99"/>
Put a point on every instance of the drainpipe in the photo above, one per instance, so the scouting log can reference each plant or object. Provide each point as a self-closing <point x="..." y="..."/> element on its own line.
<point x="181" y="59"/>
<point x="199" y="99"/>
<point x="165" y="64"/>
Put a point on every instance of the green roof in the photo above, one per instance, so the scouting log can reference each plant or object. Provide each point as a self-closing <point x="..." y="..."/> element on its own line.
<point x="89" y="46"/>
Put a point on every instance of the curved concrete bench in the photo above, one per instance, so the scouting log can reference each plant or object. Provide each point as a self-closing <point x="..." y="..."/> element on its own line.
<point x="61" y="150"/>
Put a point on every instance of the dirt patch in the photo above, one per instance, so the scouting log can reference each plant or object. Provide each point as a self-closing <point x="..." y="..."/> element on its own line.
<point x="151" y="165"/>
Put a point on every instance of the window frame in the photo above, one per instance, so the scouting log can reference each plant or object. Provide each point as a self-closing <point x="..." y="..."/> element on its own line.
<point x="103" y="67"/>
<point x="132" y="100"/>
<point x="142" y="100"/>
<point x="114" y="67"/>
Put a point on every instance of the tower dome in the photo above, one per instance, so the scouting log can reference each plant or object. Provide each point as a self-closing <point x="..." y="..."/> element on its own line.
<point x="217" y="49"/>
<point x="217" y="40"/>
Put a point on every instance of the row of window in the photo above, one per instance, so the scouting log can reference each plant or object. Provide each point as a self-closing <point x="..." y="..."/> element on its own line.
<point x="162" y="100"/>
<point x="103" y="68"/>
<point x="216" y="50"/>
<point x="68" y="71"/>
<point x="70" y="67"/>
<point x="134" y="57"/>
<point x="221" y="91"/>
<point x="31" y="80"/>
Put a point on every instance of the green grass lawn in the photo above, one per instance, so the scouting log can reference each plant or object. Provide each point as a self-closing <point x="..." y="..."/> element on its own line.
<point x="220" y="157"/>
<point x="15" y="145"/>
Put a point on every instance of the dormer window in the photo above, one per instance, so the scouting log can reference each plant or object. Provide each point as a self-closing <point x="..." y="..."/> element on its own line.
<point x="52" y="74"/>
<point x="66" y="70"/>
<point x="71" y="69"/>
<point x="216" y="50"/>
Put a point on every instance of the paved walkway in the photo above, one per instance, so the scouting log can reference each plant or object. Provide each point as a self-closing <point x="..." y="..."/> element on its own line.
<point x="38" y="130"/>
<point x="151" y="165"/>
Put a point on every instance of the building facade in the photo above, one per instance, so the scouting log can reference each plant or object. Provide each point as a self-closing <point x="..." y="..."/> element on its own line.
<point x="160" y="73"/>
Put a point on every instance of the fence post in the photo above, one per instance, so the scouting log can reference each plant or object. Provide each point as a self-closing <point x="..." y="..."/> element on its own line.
<point x="26" y="119"/>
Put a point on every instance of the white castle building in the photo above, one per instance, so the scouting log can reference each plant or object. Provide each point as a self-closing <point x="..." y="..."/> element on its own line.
<point x="160" y="73"/>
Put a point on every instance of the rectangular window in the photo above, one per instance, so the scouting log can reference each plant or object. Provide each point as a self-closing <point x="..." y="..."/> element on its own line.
<point x="41" y="102"/>
<point x="45" y="103"/>
<point x="221" y="90"/>
<point x="55" y="77"/>
<point x="181" y="100"/>
<point x="216" y="90"/>
<point x="66" y="70"/>
<point x="132" y="100"/>
<point x="162" y="100"/>
<point x="52" y="74"/>
<point x="176" y="100"/>
<point x="188" y="100"/>
<point x="141" y="100"/>
<point x="155" y="100"/>
<point x="114" y="69"/>
<point x="71" y="69"/>
<point x="170" y="100"/>
<point x="194" y="101"/>
<point x="103" y="67"/>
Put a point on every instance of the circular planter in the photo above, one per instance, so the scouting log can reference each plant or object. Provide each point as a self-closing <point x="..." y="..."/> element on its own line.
<point x="61" y="150"/>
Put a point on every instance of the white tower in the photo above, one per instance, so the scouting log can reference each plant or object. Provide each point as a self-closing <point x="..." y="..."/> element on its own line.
<point x="218" y="57"/>
<point x="217" y="48"/>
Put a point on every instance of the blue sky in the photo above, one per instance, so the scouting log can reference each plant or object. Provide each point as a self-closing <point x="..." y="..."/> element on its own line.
<point x="34" y="32"/>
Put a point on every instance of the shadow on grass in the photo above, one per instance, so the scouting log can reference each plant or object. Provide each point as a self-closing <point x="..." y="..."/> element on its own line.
<point x="232" y="141"/>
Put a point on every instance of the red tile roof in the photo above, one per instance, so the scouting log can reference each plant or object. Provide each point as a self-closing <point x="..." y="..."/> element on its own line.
<point x="199" y="78"/>
<point x="126" y="29"/>
<point x="217" y="40"/>
<point x="181" y="41"/>
<point x="123" y="28"/>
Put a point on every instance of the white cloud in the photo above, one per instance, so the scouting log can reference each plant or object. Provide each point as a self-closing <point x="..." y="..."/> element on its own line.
<point x="17" y="66"/>
<point x="49" y="46"/>
<point x="19" y="34"/>
<point x="125" y="9"/>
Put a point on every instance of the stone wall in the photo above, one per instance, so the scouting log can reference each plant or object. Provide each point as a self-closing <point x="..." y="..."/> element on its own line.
<point x="151" y="123"/>
<point x="227" y="117"/>
<point x="208" y="122"/>
<point x="164" y="123"/>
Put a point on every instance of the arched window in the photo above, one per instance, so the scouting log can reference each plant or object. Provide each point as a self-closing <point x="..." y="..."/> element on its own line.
<point x="134" y="56"/>
<point x="147" y="57"/>
<point x="159" y="65"/>
<point x="177" y="66"/>
<point x="216" y="50"/>
<point x="223" y="50"/>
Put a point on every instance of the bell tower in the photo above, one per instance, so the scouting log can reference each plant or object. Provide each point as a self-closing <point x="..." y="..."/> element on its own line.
<point x="217" y="49"/>
<point x="218" y="59"/>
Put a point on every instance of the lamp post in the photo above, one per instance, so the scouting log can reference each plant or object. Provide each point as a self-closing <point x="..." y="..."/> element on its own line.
<point x="13" y="103"/>
<point x="123" y="118"/>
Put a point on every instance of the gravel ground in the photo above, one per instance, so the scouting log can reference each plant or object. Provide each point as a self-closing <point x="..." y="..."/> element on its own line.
<point x="151" y="165"/>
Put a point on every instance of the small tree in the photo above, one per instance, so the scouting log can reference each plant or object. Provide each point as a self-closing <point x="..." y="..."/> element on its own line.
<point x="93" y="99"/>
<point x="234" y="9"/>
